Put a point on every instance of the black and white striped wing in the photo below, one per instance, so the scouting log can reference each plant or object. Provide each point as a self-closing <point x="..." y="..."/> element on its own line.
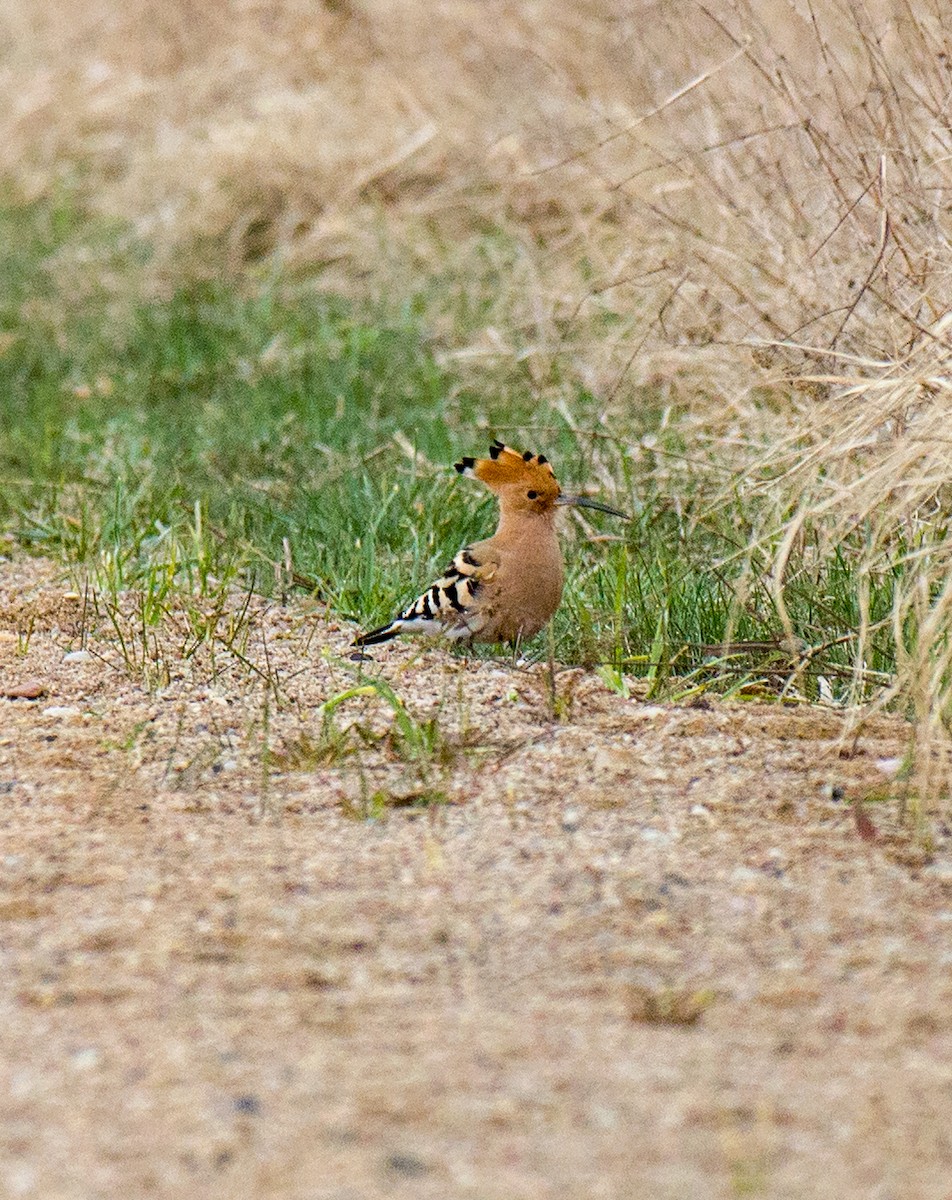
<point x="450" y="606"/>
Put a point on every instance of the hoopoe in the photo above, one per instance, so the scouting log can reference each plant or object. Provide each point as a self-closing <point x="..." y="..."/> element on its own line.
<point x="505" y="588"/>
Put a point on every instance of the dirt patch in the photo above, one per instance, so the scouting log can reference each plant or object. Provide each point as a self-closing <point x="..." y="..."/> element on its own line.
<point x="256" y="947"/>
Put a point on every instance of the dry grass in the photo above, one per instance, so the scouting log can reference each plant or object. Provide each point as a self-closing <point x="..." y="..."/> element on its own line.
<point x="737" y="209"/>
<point x="763" y="170"/>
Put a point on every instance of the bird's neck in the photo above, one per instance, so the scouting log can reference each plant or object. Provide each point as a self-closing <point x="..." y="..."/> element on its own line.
<point x="527" y="529"/>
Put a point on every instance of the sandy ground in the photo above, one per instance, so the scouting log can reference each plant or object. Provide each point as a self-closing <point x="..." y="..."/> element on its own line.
<point x="639" y="952"/>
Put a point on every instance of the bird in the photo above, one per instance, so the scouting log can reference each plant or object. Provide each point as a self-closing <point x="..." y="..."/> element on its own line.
<point x="506" y="587"/>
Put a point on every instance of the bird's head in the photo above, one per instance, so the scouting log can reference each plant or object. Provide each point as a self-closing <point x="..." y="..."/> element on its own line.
<point x="525" y="483"/>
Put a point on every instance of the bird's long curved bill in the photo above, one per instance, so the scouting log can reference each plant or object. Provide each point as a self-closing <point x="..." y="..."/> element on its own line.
<point x="584" y="502"/>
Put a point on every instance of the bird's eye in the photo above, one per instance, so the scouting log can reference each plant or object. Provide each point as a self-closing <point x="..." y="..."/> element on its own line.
<point x="532" y="495"/>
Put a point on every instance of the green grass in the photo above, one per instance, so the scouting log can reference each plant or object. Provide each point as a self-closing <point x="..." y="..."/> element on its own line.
<point x="195" y="442"/>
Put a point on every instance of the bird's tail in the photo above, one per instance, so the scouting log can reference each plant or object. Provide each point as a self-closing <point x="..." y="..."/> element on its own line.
<point x="375" y="636"/>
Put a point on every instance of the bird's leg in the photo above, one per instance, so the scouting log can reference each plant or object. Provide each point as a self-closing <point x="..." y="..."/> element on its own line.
<point x="550" y="647"/>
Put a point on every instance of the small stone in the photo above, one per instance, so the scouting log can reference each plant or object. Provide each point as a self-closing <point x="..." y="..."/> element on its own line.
<point x="61" y="710"/>
<point x="407" y="1164"/>
<point x="29" y="689"/>
<point x="571" y="820"/>
<point x="76" y="656"/>
<point x="21" y="1179"/>
<point x="86" y="1058"/>
<point x="324" y="976"/>
<point x="247" y="1103"/>
<point x="656" y="835"/>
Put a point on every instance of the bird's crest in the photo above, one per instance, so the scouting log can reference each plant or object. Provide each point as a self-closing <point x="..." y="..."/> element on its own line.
<point x="506" y="466"/>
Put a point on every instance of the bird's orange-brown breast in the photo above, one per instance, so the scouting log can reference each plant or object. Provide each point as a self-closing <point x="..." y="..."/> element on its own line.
<point x="526" y="587"/>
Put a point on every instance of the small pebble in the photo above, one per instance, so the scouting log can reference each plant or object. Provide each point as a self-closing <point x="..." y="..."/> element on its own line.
<point x="29" y="689"/>
<point x="407" y="1164"/>
<point x="61" y="710"/>
<point x="85" y="1058"/>
<point x="571" y="820"/>
<point x="75" y="656"/>
<point x="20" y="1179"/>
